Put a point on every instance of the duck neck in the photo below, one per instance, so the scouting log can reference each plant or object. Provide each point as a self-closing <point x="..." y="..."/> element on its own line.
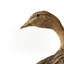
<point x="60" y="32"/>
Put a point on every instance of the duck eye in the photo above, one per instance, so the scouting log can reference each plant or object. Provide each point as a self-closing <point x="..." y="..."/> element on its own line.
<point x="37" y="15"/>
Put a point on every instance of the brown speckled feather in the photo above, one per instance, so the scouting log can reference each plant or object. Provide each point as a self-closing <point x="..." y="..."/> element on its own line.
<point x="46" y="60"/>
<point x="57" y="58"/>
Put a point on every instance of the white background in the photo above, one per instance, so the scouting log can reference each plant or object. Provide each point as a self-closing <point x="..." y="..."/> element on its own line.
<point x="32" y="44"/>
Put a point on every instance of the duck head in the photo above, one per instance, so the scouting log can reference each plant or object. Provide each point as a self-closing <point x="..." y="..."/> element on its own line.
<point x="42" y="19"/>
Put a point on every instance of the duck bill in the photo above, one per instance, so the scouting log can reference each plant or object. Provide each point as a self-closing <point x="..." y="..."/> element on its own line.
<point x="25" y="25"/>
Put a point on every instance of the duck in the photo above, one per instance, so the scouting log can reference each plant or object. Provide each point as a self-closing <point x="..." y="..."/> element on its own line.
<point x="45" y="19"/>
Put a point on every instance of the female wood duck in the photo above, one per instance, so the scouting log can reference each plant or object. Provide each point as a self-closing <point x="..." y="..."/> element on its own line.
<point x="44" y="19"/>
